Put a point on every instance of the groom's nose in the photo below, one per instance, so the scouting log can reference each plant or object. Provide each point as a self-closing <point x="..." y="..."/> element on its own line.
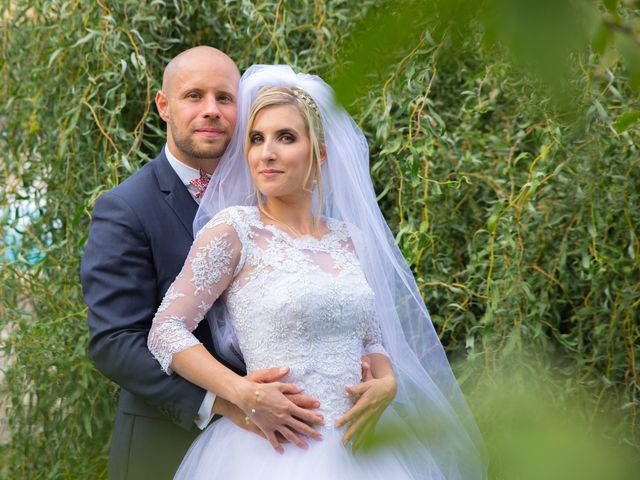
<point x="211" y="108"/>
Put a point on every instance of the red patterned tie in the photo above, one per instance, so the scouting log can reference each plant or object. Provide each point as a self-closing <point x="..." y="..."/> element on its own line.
<point x="201" y="183"/>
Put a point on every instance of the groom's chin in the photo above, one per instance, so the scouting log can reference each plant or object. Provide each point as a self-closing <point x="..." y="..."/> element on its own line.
<point x="210" y="149"/>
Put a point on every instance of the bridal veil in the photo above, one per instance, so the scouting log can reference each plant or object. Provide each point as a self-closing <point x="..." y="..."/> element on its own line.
<point x="429" y="412"/>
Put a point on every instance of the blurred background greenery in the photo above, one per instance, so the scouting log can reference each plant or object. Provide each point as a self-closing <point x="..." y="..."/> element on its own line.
<point x="504" y="141"/>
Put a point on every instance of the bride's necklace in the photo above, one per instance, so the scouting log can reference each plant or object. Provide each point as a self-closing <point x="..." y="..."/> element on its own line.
<point x="294" y="231"/>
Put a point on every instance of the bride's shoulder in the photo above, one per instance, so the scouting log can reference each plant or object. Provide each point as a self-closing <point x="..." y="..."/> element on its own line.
<point x="235" y="214"/>
<point x="237" y="211"/>
<point x="237" y="218"/>
<point x="342" y="229"/>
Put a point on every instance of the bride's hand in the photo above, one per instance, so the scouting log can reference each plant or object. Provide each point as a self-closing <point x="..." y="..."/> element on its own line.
<point x="275" y="374"/>
<point x="267" y="406"/>
<point x="373" y="396"/>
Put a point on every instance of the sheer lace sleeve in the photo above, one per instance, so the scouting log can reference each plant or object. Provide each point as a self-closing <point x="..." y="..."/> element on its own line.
<point x="372" y="341"/>
<point x="215" y="258"/>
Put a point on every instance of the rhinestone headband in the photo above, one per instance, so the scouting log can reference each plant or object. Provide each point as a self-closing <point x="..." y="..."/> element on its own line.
<point x="306" y="98"/>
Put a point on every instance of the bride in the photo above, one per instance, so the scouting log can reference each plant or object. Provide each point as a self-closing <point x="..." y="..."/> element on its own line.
<point x="291" y="239"/>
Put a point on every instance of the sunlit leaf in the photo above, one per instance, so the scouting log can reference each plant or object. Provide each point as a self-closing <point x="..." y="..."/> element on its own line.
<point x="627" y="120"/>
<point x="630" y="52"/>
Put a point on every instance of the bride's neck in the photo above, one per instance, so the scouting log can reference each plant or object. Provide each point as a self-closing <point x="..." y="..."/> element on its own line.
<point x="294" y="214"/>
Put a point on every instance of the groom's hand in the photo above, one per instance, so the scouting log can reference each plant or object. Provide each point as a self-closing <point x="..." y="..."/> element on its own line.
<point x="232" y="412"/>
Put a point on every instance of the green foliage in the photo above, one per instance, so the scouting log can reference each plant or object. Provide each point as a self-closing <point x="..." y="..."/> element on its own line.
<point x="543" y="37"/>
<point x="534" y="428"/>
<point x="518" y="216"/>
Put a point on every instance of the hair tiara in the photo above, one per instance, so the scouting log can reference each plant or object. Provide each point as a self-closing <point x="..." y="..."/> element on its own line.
<point x="306" y="98"/>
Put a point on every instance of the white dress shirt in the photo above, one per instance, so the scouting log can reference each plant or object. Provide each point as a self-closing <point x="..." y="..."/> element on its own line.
<point x="186" y="174"/>
<point x="184" y="171"/>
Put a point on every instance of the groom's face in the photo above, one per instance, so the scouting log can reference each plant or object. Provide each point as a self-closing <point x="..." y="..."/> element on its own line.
<point x="200" y="108"/>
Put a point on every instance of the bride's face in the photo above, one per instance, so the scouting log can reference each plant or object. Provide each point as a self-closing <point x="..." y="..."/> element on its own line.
<point x="279" y="152"/>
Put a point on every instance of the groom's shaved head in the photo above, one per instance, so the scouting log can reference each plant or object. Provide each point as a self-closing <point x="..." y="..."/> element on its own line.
<point x="198" y="103"/>
<point x="201" y="55"/>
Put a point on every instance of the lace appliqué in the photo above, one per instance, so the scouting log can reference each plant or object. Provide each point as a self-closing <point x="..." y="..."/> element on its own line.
<point x="171" y="295"/>
<point x="304" y="302"/>
<point x="210" y="263"/>
<point x="169" y="338"/>
<point x="373" y="339"/>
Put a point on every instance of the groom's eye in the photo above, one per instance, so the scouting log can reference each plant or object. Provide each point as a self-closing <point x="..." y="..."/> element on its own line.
<point x="193" y="95"/>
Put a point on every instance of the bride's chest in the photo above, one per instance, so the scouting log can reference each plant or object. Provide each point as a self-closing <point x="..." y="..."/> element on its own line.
<point x="287" y="291"/>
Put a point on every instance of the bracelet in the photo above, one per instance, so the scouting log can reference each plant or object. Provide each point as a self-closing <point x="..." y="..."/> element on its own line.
<point x="247" y="419"/>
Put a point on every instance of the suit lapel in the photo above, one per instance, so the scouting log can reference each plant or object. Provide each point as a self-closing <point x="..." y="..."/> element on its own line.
<point x="176" y="194"/>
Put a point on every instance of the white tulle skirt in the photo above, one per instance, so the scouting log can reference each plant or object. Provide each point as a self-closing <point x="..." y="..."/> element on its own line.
<point x="226" y="452"/>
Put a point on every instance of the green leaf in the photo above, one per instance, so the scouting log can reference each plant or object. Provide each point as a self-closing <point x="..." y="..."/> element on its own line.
<point x="54" y="55"/>
<point x="627" y="120"/>
<point x="492" y="223"/>
<point x="630" y="52"/>
<point x="84" y="39"/>
<point x="602" y="38"/>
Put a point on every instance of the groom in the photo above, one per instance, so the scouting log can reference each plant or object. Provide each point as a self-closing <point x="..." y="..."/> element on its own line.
<point x="140" y="234"/>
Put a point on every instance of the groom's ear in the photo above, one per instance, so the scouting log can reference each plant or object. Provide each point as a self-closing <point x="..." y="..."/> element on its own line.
<point x="162" y="103"/>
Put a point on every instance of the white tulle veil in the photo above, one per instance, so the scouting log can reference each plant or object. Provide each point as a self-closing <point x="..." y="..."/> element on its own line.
<point x="429" y="408"/>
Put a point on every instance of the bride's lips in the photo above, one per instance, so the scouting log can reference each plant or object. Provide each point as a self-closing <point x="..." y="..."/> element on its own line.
<point x="210" y="132"/>
<point x="270" y="172"/>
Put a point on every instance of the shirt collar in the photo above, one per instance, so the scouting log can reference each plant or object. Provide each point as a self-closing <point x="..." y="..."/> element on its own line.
<point x="184" y="171"/>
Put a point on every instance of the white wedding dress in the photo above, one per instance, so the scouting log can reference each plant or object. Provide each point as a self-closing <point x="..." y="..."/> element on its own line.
<point x="297" y="302"/>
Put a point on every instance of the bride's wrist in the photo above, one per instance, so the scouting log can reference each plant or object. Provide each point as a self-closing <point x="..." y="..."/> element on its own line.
<point x="390" y="383"/>
<point x="245" y="396"/>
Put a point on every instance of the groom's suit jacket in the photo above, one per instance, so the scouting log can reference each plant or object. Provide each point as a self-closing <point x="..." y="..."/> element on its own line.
<point x="140" y="235"/>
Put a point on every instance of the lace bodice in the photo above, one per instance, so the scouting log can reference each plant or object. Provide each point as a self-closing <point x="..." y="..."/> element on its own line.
<point x="297" y="302"/>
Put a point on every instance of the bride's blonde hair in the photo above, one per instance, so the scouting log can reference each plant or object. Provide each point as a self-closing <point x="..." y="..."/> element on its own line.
<point x="304" y="104"/>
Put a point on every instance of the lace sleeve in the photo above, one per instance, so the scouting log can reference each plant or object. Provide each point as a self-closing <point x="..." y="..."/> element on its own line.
<point x="372" y="341"/>
<point x="213" y="261"/>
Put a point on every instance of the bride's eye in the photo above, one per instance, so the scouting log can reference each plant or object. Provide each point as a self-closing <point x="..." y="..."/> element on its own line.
<point x="287" y="138"/>
<point x="255" y="139"/>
